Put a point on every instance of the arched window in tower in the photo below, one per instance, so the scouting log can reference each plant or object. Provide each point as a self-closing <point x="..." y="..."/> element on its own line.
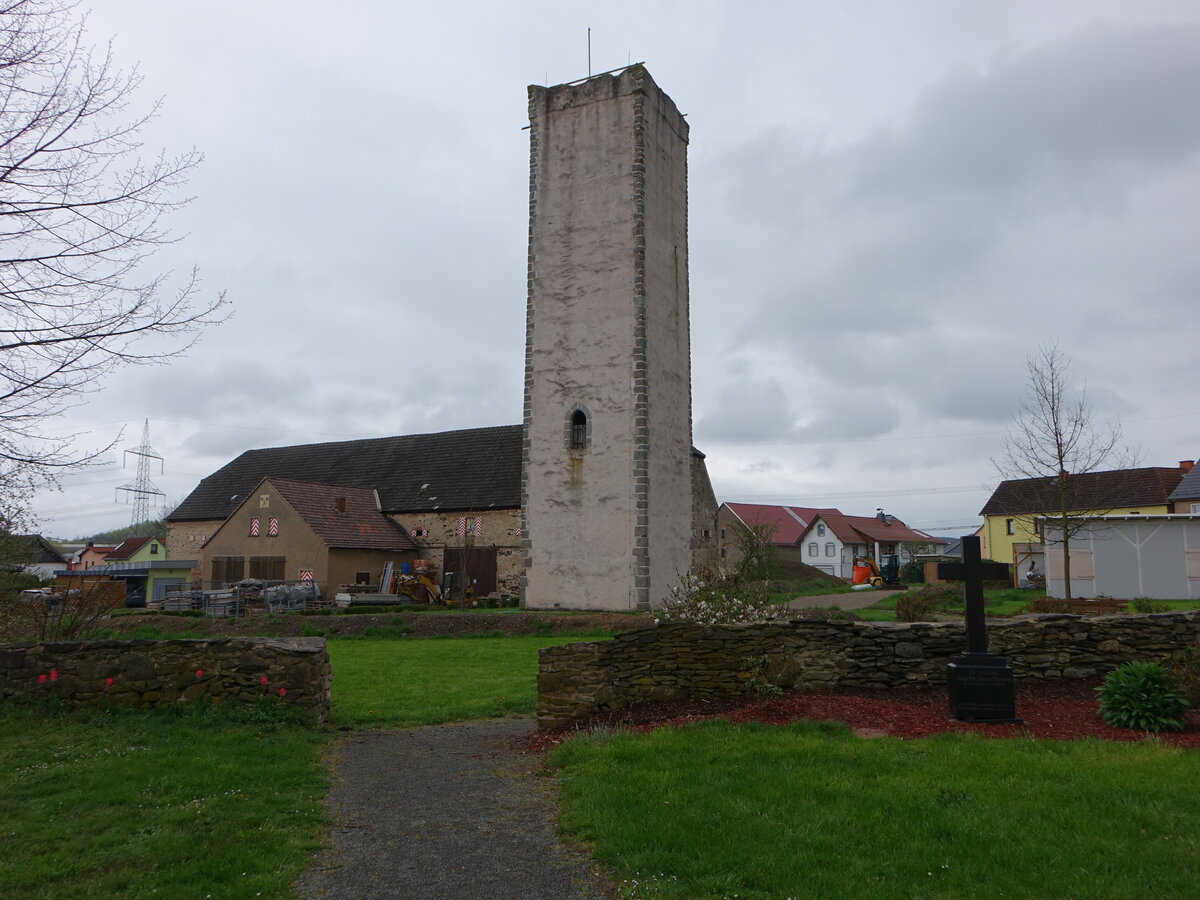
<point x="578" y="430"/>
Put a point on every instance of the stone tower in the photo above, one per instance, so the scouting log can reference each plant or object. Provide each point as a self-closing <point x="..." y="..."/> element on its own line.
<point x="608" y="436"/>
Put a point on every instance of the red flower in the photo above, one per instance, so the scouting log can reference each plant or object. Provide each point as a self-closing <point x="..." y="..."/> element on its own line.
<point x="108" y="682"/>
<point x="264" y="679"/>
<point x="54" y="674"/>
<point x="282" y="691"/>
<point x="41" y="679"/>
<point x="199" y="673"/>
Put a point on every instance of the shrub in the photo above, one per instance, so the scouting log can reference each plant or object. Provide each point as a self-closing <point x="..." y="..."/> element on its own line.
<point x="920" y="605"/>
<point x="1148" y="605"/>
<point x="1186" y="669"/>
<point x="723" y="599"/>
<point x="913" y="572"/>
<point x="1142" y="695"/>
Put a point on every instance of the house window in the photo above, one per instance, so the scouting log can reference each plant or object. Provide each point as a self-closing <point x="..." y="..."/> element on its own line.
<point x="255" y="525"/>
<point x="830" y="550"/>
<point x="273" y="527"/>
<point x="362" y="577"/>
<point x="820" y="529"/>
<point x="1037" y="526"/>
<point x="812" y="549"/>
<point x="154" y="549"/>
<point x="1195" y="508"/>
<point x="1008" y="527"/>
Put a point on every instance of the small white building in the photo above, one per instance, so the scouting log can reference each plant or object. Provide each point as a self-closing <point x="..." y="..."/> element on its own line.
<point x="1126" y="557"/>
<point x="832" y="540"/>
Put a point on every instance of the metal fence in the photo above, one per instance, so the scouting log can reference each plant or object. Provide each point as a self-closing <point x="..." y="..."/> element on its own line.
<point x="248" y="597"/>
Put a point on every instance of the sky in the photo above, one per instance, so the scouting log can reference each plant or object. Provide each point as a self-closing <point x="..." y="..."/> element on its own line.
<point x="892" y="204"/>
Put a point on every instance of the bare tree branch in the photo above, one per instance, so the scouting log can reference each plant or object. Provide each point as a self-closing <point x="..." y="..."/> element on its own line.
<point x="1055" y="438"/>
<point x="81" y="211"/>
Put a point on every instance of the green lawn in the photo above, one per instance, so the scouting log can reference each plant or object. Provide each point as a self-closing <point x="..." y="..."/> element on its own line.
<point x="390" y="683"/>
<point x="133" y="804"/>
<point x="196" y="800"/>
<point x="808" y="810"/>
<point x="997" y="602"/>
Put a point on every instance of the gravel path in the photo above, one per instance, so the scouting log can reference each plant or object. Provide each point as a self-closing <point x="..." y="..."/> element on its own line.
<point x="451" y="811"/>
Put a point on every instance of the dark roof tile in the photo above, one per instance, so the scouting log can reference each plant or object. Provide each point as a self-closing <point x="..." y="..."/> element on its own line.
<point x="1089" y="492"/>
<point x="472" y="469"/>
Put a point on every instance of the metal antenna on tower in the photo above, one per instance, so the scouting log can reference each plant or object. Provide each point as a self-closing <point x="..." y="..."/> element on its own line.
<point x="142" y="488"/>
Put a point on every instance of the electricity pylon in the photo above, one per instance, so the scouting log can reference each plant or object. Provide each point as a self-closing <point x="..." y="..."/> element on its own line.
<point x="142" y="488"/>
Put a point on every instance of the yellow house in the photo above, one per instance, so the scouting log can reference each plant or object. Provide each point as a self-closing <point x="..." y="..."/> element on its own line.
<point x="1011" y="531"/>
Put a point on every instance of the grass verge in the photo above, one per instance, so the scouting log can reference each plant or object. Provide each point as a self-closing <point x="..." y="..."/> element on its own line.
<point x="808" y="810"/>
<point x="388" y="683"/>
<point x="193" y="801"/>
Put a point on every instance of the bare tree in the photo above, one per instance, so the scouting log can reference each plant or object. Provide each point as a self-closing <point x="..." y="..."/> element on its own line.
<point x="80" y="212"/>
<point x="1055" y="439"/>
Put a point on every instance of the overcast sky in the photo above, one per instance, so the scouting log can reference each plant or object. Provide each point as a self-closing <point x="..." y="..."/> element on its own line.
<point x="892" y="203"/>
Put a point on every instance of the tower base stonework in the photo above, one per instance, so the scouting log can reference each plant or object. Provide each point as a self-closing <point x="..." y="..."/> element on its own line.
<point x="607" y="453"/>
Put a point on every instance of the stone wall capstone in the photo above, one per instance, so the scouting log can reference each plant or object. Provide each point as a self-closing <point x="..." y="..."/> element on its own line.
<point x="159" y="673"/>
<point x="681" y="662"/>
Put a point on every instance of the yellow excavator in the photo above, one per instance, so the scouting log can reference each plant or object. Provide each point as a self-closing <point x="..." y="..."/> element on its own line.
<point x="877" y="578"/>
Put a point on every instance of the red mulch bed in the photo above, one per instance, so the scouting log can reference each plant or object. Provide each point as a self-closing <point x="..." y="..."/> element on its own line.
<point x="1063" y="710"/>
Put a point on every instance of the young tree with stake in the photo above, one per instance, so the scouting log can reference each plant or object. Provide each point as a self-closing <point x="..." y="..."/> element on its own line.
<point x="1055" y="439"/>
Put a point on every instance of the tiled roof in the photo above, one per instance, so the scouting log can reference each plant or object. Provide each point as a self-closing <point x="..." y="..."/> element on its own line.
<point x="128" y="547"/>
<point x="359" y="526"/>
<point x="786" y="523"/>
<point x="1189" y="486"/>
<point x="868" y="529"/>
<point x="473" y="469"/>
<point x="43" y="550"/>
<point x="1090" y="492"/>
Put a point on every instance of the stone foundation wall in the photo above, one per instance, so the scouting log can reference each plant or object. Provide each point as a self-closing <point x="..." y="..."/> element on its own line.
<point x="159" y="673"/>
<point x="675" y="662"/>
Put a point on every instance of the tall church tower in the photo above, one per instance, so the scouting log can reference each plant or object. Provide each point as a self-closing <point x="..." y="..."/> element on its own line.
<point x="607" y="493"/>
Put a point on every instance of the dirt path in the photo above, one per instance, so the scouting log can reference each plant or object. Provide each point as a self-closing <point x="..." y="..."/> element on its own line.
<point x="440" y="812"/>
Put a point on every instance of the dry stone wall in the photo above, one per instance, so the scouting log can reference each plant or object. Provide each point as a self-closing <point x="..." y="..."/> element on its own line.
<point x="159" y="673"/>
<point x="676" y="662"/>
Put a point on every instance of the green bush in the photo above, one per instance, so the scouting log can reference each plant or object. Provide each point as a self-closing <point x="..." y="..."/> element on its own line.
<point x="1148" y="605"/>
<point x="919" y="605"/>
<point x="1142" y="695"/>
<point x="913" y="572"/>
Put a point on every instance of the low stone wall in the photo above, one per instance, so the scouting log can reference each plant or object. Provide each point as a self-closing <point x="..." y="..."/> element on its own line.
<point x="675" y="662"/>
<point x="159" y="673"/>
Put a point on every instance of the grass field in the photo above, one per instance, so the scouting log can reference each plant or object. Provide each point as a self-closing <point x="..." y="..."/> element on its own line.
<point x="197" y="801"/>
<point x="181" y="803"/>
<point x="384" y="684"/>
<point x="808" y="810"/>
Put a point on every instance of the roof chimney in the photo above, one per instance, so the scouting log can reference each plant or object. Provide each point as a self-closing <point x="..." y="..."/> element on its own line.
<point x="340" y="505"/>
<point x="1186" y="465"/>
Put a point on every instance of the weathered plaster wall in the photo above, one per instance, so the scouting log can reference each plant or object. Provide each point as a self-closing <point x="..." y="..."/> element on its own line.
<point x="607" y="282"/>
<point x="704" y="519"/>
<point x="499" y="528"/>
<point x="161" y="673"/>
<point x="671" y="662"/>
